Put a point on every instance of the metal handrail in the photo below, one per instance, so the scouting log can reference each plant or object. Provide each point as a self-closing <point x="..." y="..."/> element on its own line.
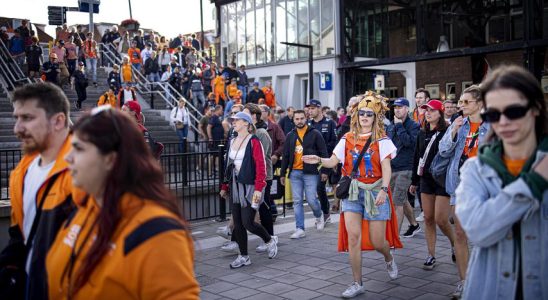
<point x="19" y="75"/>
<point x="171" y="100"/>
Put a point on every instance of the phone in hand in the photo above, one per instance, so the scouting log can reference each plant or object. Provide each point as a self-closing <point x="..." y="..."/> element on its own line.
<point x="460" y="113"/>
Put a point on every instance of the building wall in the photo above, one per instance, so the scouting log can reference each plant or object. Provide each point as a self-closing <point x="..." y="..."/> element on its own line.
<point x="287" y="81"/>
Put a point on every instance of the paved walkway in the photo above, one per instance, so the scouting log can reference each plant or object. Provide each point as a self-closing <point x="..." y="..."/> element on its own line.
<point x="311" y="268"/>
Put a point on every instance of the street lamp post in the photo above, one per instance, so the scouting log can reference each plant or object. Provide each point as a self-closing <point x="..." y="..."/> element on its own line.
<point x="310" y="67"/>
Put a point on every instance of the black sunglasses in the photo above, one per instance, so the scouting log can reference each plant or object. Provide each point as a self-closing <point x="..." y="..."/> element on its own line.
<point x="512" y="112"/>
<point x="366" y="113"/>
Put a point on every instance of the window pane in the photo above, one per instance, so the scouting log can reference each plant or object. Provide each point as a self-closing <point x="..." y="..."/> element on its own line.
<point x="327" y="32"/>
<point x="260" y="31"/>
<point x="269" y="40"/>
<point x="241" y="33"/>
<point x="303" y="27"/>
<point x="250" y="31"/>
<point x="281" y="35"/>
<point x="232" y="38"/>
<point x="314" y="11"/>
<point x="292" y="28"/>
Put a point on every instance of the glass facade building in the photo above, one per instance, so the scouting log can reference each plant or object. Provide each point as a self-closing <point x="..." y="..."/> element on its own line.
<point x="251" y="30"/>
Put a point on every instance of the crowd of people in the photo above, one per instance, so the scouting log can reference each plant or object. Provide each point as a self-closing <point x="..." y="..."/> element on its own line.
<point x="91" y="216"/>
<point x="464" y="161"/>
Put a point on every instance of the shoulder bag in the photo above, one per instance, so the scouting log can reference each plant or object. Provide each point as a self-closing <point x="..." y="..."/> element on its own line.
<point x="344" y="183"/>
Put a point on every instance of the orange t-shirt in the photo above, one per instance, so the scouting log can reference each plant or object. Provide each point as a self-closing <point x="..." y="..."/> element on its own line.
<point x="126" y="73"/>
<point x="418" y="117"/>
<point x="471" y="152"/>
<point x="514" y="166"/>
<point x="298" y="157"/>
<point x="270" y="98"/>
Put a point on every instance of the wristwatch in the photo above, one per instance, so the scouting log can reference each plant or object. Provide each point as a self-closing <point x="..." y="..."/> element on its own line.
<point x="385" y="189"/>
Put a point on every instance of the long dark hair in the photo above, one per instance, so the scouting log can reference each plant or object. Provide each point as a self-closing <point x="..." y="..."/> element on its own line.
<point x="519" y="79"/>
<point x="135" y="171"/>
<point x="441" y="126"/>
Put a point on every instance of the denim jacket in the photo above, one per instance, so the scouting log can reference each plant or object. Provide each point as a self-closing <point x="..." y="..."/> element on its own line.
<point x="487" y="212"/>
<point x="454" y="147"/>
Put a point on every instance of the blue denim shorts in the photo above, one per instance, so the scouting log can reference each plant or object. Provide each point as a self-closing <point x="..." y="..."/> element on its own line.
<point x="359" y="207"/>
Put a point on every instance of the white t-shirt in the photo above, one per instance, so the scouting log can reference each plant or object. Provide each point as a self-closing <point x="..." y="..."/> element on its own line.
<point x="128" y="96"/>
<point x="238" y="156"/>
<point x="34" y="178"/>
<point x="386" y="148"/>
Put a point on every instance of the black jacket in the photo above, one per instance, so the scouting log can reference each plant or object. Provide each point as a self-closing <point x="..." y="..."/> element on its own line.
<point x="286" y="124"/>
<point x="422" y="142"/>
<point x="345" y="127"/>
<point x="254" y="96"/>
<point x="328" y="129"/>
<point x="313" y="144"/>
<point x="151" y="66"/>
<point x="404" y="135"/>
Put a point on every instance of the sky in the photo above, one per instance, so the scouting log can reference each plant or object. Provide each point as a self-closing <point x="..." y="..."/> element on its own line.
<point x="169" y="17"/>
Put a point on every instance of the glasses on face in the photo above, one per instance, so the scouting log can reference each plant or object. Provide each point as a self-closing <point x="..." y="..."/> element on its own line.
<point x="512" y="112"/>
<point x="233" y="112"/>
<point x="366" y="113"/>
<point x="465" y="102"/>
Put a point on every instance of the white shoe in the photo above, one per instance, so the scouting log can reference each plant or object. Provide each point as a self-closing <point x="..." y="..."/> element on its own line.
<point x="224" y="232"/>
<point x="299" y="233"/>
<point x="272" y="247"/>
<point x="261" y="248"/>
<point x="353" y="290"/>
<point x="231" y="247"/>
<point x="457" y="294"/>
<point x="240" y="261"/>
<point x="420" y="218"/>
<point x="392" y="269"/>
<point x="328" y="219"/>
<point x="320" y="223"/>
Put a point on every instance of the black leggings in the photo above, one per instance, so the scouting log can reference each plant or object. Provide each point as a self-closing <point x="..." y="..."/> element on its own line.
<point x="322" y="196"/>
<point x="244" y="219"/>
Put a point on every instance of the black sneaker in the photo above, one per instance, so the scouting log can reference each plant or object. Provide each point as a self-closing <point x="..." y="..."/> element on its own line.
<point x="412" y="230"/>
<point x="429" y="263"/>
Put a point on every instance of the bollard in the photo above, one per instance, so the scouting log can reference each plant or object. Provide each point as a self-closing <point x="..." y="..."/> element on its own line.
<point x="222" y="201"/>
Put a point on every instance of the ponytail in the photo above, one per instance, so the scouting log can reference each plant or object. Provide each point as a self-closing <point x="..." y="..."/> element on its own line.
<point x="251" y="128"/>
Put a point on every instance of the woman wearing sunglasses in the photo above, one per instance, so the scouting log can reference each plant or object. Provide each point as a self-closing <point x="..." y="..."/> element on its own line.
<point x="459" y="143"/>
<point x="435" y="200"/>
<point x="502" y="199"/>
<point x="127" y="239"/>
<point x="370" y="205"/>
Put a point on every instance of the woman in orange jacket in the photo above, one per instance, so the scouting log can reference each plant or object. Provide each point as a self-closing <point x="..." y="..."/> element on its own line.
<point x="127" y="240"/>
<point x="109" y="98"/>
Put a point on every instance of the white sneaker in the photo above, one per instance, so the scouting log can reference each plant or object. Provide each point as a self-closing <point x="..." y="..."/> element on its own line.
<point x="224" y="232"/>
<point x="320" y="223"/>
<point x="299" y="233"/>
<point x="420" y="218"/>
<point x="457" y="294"/>
<point x="353" y="290"/>
<point x="272" y="247"/>
<point x="231" y="247"/>
<point x="392" y="269"/>
<point x="328" y="219"/>
<point x="261" y="248"/>
<point x="240" y="261"/>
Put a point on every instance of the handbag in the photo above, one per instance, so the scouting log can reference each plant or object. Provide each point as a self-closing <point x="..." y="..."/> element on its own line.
<point x="178" y="125"/>
<point x="343" y="187"/>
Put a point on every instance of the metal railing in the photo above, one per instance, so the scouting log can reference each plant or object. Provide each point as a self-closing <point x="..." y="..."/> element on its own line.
<point x="194" y="178"/>
<point x="191" y="146"/>
<point x="12" y="75"/>
<point x="164" y="90"/>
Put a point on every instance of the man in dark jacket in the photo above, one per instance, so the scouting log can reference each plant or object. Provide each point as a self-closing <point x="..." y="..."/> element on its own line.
<point x="328" y="129"/>
<point x="403" y="132"/>
<point x="243" y="82"/>
<point x="152" y="68"/>
<point x="303" y="140"/>
<point x="286" y="123"/>
<point x="255" y="94"/>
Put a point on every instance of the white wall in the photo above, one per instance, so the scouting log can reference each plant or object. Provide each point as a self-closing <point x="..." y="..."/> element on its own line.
<point x="287" y="81"/>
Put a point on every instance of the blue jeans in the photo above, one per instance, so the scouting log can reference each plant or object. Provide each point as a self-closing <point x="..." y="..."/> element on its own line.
<point x="243" y="88"/>
<point x="182" y="134"/>
<point x="137" y="66"/>
<point x="153" y="77"/>
<point x="91" y="66"/>
<point x="307" y="184"/>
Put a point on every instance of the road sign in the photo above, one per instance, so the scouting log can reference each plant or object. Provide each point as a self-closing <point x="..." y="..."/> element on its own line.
<point x="84" y="5"/>
<point x="56" y="15"/>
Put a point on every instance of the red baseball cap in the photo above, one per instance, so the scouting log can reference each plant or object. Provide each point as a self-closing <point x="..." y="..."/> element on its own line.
<point x="434" y="104"/>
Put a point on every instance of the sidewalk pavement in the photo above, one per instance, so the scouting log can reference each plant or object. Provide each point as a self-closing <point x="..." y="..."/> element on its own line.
<point x="311" y="268"/>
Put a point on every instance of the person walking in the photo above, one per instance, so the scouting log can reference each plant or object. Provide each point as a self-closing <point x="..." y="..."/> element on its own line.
<point x="303" y="140"/>
<point x="180" y="117"/>
<point x="460" y="142"/>
<point x="367" y="150"/>
<point x="127" y="240"/>
<point x="502" y="199"/>
<point x="41" y="188"/>
<point x="435" y="200"/>
<point x="403" y="131"/>
<point x="246" y="188"/>
<point x="80" y="83"/>
<point x="90" y="55"/>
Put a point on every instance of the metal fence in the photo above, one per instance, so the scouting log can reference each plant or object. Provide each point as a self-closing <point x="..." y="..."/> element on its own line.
<point x="193" y="177"/>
